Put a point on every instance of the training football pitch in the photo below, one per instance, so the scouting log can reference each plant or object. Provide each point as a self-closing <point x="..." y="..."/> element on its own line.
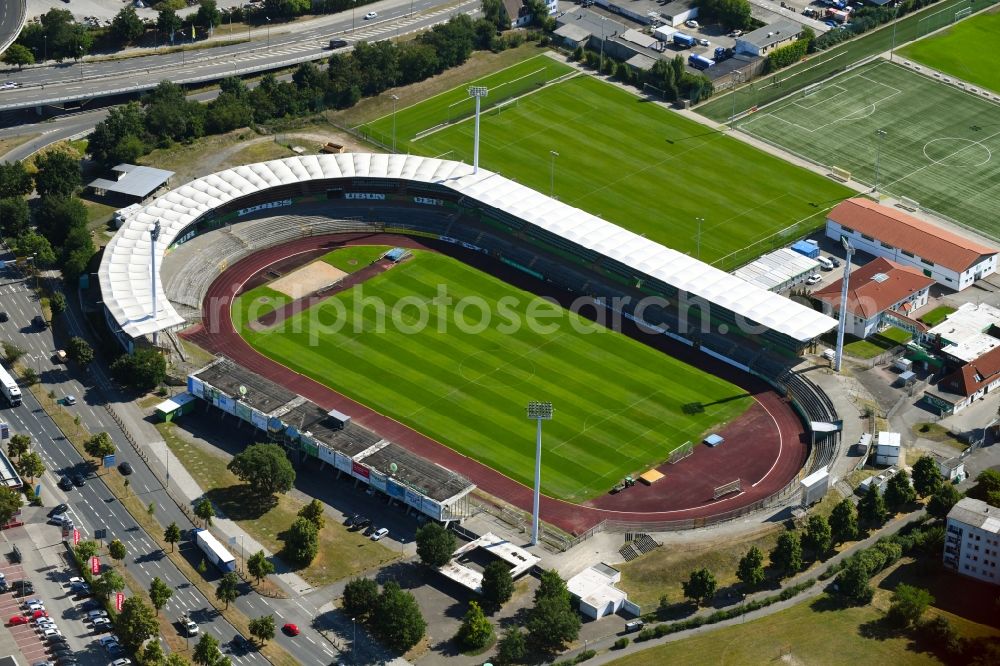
<point x="968" y="51"/>
<point x="620" y="406"/>
<point x="631" y="162"/>
<point x="937" y="148"/>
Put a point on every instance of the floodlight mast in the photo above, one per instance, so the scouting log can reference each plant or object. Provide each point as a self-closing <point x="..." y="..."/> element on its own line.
<point x="842" y="324"/>
<point x="154" y="235"/>
<point x="477" y="92"/>
<point x="538" y="411"/>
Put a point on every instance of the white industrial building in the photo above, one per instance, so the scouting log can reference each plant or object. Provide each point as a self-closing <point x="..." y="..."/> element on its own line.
<point x="967" y="333"/>
<point x="972" y="540"/>
<point x="596" y="591"/>
<point x="461" y="569"/>
<point x="880" y="481"/>
<point x="763" y="40"/>
<point x="887" y="448"/>
<point x="779" y="271"/>
<point x="949" y="259"/>
<point x="814" y="486"/>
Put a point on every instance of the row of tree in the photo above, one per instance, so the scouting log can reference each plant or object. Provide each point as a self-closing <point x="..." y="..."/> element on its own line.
<point x="670" y="78"/>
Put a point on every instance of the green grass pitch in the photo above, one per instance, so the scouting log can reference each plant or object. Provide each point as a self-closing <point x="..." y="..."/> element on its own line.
<point x="967" y="51"/>
<point x="939" y="147"/>
<point x="635" y="164"/>
<point x="618" y="404"/>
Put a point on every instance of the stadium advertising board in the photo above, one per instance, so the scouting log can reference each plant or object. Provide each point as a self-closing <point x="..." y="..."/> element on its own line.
<point x="428" y="201"/>
<point x="431" y="508"/>
<point x="377" y="480"/>
<point x="368" y="196"/>
<point x="243" y="411"/>
<point x="226" y="404"/>
<point x="343" y="463"/>
<point x="195" y="387"/>
<point x="327" y="455"/>
<point x="258" y="419"/>
<point x="413" y="498"/>
<point x="274" y="424"/>
<point x="264" y="206"/>
<point x="359" y="471"/>
<point x="393" y="489"/>
<point x="309" y="445"/>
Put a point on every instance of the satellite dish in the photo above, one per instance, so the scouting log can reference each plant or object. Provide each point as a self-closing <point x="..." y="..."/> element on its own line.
<point x="393" y="467"/>
<point x="243" y="390"/>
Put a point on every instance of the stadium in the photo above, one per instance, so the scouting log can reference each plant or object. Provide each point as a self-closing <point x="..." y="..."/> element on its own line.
<point x="229" y="233"/>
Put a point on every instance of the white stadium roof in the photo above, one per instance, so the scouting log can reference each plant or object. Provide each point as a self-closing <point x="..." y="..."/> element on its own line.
<point x="125" y="269"/>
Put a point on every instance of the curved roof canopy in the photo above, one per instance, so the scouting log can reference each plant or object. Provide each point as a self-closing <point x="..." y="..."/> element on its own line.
<point x="125" y="269"/>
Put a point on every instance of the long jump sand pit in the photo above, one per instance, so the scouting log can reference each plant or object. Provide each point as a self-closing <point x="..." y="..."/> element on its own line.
<point x="308" y="279"/>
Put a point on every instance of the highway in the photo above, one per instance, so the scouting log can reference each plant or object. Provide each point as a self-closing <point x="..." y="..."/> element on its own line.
<point x="93" y="506"/>
<point x="279" y="46"/>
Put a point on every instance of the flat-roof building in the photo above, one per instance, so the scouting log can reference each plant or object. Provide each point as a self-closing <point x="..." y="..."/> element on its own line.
<point x="763" y="40"/>
<point x="778" y="271"/>
<point x="130" y="183"/>
<point x="596" y="591"/>
<point x="972" y="540"/>
<point x="966" y="334"/>
<point x="467" y="564"/>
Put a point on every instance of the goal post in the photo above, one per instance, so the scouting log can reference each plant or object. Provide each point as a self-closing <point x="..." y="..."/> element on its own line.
<point x="681" y="452"/>
<point x="727" y="489"/>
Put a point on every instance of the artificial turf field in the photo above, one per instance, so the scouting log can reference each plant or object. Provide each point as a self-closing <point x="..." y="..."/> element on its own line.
<point x="632" y="163"/>
<point x="939" y="145"/>
<point x="969" y="50"/>
<point x="618" y="404"/>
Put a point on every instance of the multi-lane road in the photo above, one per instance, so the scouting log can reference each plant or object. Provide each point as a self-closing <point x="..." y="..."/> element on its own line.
<point x="273" y="47"/>
<point x="94" y="507"/>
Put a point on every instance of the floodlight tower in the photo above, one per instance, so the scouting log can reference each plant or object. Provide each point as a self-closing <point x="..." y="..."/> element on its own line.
<point x="154" y="235"/>
<point x="538" y="411"/>
<point x="478" y="92"/>
<point x="842" y="324"/>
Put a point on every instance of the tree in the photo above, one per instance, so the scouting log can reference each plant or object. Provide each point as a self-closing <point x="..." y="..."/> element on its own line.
<point x="152" y="654"/>
<point x="208" y="15"/>
<point x="265" y="468"/>
<point x="159" y="593"/>
<point x="819" y="536"/>
<point x="110" y="582"/>
<point x="899" y="492"/>
<point x="86" y="550"/>
<point x="205" y="511"/>
<point x="79" y="351"/>
<point x="435" y="544"/>
<point x="301" y="542"/>
<point x="496" y="14"/>
<point x="30" y="466"/>
<point x="58" y="173"/>
<point x="751" y="568"/>
<point x="475" y="632"/>
<point x="852" y="582"/>
<point x="497" y="586"/>
<point x="18" y="56"/>
<point x="202" y="566"/>
<point x="926" y="476"/>
<point x="871" y="508"/>
<point x="512" y="648"/>
<point x="143" y="369"/>
<point x="14" y="216"/>
<point x="360" y="598"/>
<point x="730" y="13"/>
<point x="57" y="216"/>
<point x="116" y="549"/>
<point x="57" y="301"/>
<point x="136" y="623"/>
<point x="787" y="554"/>
<point x="99" y="445"/>
<point x="119" y="137"/>
<point x="987" y="486"/>
<point x="313" y="512"/>
<point x="174" y="659"/>
<point x="228" y="589"/>
<point x="31" y="244"/>
<point x="168" y="22"/>
<point x="808" y="35"/>
<point x="942" y="501"/>
<point x="262" y="627"/>
<point x="206" y="652"/>
<point x="259" y="566"/>
<point x="18" y="445"/>
<point x="10" y="502"/>
<point x="844" y="521"/>
<point x="908" y="604"/>
<point x="397" y="619"/>
<point x="172" y="535"/>
<point x="15" y="181"/>
<point x="126" y="26"/>
<point x="552" y="622"/>
<point x="700" y="587"/>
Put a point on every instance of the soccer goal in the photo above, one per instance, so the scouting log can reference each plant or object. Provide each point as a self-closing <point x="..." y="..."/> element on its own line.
<point x="681" y="452"/>
<point x="499" y="94"/>
<point x="727" y="489"/>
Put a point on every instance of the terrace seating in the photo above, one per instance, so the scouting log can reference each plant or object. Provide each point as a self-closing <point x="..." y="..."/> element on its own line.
<point x="187" y="285"/>
<point x="644" y="543"/>
<point x="628" y="553"/>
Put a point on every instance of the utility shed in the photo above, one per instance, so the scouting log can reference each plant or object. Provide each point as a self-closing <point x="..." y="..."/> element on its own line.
<point x="130" y="183"/>
<point x="178" y="405"/>
<point x="595" y="589"/>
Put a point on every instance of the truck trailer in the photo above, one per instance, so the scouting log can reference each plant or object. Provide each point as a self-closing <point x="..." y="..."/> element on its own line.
<point x="700" y="61"/>
<point x="214" y="551"/>
<point x="684" y="41"/>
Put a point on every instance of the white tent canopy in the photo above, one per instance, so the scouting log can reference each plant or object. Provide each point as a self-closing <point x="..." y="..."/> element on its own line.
<point x="125" y="269"/>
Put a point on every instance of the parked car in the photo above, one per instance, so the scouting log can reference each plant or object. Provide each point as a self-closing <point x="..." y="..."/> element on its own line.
<point x="834" y="261"/>
<point x="691" y="23"/>
<point x="736" y="33"/>
<point x="703" y="42"/>
<point x="94" y="614"/>
<point x="16" y="620"/>
<point x="362" y="523"/>
<point x="106" y="641"/>
<point x="815" y="278"/>
<point x="38" y="321"/>
<point x="350" y="520"/>
<point x="121" y="662"/>
<point x="379" y="533"/>
<point x="24" y="586"/>
<point x="75" y="579"/>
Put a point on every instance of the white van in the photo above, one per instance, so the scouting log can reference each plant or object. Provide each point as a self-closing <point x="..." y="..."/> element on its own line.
<point x="824" y="263"/>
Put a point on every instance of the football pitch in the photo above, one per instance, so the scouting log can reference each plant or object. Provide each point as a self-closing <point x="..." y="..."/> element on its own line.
<point x="633" y="163"/>
<point x="937" y="148"/>
<point x="967" y="51"/>
<point x="620" y="406"/>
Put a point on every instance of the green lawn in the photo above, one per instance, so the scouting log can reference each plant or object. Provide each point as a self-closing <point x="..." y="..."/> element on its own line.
<point x="821" y="66"/>
<point x="256" y="303"/>
<point x="960" y="51"/>
<point x="354" y="257"/>
<point x="638" y="165"/>
<point x="938" y="146"/>
<point x="877" y="344"/>
<point x="937" y="315"/>
<point x="464" y="377"/>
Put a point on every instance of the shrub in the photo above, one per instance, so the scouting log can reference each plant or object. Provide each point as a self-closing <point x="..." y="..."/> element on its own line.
<point x="620" y="644"/>
<point x="646" y="634"/>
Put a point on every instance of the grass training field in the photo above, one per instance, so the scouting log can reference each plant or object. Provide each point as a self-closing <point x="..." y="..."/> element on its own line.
<point x="618" y="404"/>
<point x="821" y="66"/>
<point x="964" y="51"/>
<point x="635" y="164"/>
<point x="939" y="146"/>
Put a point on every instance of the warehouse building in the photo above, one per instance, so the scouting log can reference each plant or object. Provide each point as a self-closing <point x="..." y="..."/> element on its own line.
<point x="949" y="259"/>
<point x="972" y="540"/>
<point x="779" y="271"/>
<point x="763" y="40"/>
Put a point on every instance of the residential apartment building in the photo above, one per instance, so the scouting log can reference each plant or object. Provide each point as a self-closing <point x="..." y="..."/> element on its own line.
<point x="972" y="540"/>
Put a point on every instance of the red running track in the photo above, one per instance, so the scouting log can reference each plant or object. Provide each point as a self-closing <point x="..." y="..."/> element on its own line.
<point x="765" y="447"/>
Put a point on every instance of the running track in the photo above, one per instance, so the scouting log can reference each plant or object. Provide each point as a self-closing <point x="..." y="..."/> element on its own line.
<point x="765" y="447"/>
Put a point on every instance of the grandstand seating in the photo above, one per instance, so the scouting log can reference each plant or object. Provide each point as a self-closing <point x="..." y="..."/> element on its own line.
<point x="644" y="543"/>
<point x="628" y="553"/>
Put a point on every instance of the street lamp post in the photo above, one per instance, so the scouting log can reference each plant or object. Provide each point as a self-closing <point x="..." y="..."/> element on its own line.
<point x="700" y="220"/>
<point x="603" y="19"/>
<point x="477" y="92"/>
<point x="354" y="641"/>
<point x="45" y="42"/>
<point x="842" y="324"/>
<point x="354" y="4"/>
<point x="154" y="235"/>
<point x="879" y="135"/>
<point x="538" y="412"/>
<point x="394" y="100"/>
<point x="552" y="174"/>
<point x="267" y="47"/>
